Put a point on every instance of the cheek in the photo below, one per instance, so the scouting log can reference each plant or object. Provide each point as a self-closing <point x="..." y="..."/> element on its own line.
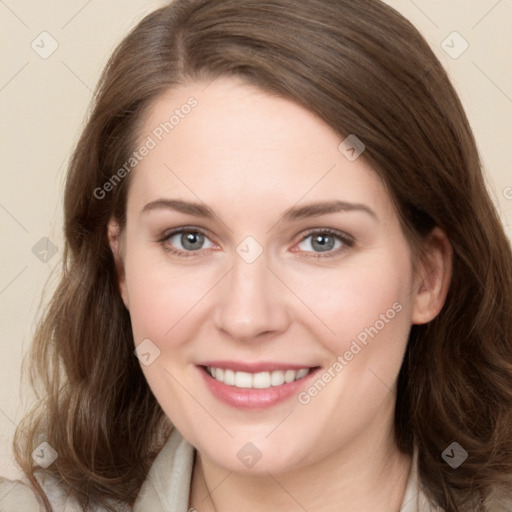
<point x="162" y="296"/>
<point x="164" y="302"/>
<point x="368" y="307"/>
<point x="360" y="301"/>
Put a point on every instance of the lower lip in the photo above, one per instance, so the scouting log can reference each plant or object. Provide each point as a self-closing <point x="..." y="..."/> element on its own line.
<point x="244" y="398"/>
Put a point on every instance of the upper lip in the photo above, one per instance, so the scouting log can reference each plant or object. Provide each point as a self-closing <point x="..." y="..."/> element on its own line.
<point x="263" y="366"/>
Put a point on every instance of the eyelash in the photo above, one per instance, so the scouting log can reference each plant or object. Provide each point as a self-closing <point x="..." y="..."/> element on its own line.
<point x="345" y="239"/>
<point x="186" y="254"/>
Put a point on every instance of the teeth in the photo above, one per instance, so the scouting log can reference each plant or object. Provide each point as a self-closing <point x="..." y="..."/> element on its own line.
<point x="302" y="373"/>
<point x="262" y="380"/>
<point x="229" y="377"/>
<point x="243" y="380"/>
<point x="276" y="378"/>
<point x="289" y="376"/>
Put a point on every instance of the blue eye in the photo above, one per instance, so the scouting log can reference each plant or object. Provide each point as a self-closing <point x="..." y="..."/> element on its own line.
<point x="324" y="241"/>
<point x="187" y="240"/>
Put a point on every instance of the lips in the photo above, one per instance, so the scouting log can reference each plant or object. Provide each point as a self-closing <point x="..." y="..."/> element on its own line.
<point x="255" y="385"/>
<point x="264" y="366"/>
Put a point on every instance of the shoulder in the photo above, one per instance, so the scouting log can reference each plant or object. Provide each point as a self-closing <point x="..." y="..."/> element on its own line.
<point x="166" y="488"/>
<point x="21" y="495"/>
<point x="500" y="501"/>
<point x="167" y="485"/>
<point x="17" y="495"/>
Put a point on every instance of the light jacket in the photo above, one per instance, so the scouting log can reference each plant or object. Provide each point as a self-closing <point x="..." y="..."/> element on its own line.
<point x="166" y="488"/>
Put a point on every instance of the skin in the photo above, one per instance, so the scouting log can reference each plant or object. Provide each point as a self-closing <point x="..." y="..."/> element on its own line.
<point x="249" y="156"/>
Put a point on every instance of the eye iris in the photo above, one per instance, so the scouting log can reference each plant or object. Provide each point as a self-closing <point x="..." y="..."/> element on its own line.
<point x="322" y="242"/>
<point x="192" y="241"/>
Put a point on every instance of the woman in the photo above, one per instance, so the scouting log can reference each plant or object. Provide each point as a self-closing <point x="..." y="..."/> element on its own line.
<point x="279" y="207"/>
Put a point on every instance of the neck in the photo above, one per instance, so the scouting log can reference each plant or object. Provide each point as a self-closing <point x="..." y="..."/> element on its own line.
<point x="371" y="475"/>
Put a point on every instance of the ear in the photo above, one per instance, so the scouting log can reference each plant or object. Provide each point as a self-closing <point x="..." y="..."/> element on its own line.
<point x="433" y="275"/>
<point x="115" y="239"/>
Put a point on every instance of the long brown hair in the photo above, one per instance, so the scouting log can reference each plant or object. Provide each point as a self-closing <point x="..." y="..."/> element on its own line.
<point x="363" y="69"/>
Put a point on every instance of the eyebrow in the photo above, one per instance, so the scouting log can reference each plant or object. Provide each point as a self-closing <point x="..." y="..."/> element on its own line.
<point x="291" y="214"/>
<point x="323" y="208"/>
<point x="187" y="207"/>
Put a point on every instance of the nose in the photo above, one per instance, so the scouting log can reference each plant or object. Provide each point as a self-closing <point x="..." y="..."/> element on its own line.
<point x="252" y="303"/>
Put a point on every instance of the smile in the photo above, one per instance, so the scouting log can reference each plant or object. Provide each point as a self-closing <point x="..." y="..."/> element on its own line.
<point x="260" y="380"/>
<point x="255" y="385"/>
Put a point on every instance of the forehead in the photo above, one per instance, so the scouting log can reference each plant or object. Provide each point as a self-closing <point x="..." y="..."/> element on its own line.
<point x="227" y="142"/>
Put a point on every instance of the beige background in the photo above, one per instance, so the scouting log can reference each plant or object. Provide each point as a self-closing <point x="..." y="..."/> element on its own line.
<point x="43" y="103"/>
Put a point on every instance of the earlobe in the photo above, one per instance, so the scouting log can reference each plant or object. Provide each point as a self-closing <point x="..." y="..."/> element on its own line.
<point x="433" y="276"/>
<point x="115" y="241"/>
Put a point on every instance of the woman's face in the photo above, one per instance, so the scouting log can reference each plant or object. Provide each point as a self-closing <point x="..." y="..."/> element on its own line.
<point x="256" y="246"/>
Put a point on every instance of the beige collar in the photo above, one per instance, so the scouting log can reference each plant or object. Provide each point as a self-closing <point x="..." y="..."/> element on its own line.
<point x="167" y="485"/>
